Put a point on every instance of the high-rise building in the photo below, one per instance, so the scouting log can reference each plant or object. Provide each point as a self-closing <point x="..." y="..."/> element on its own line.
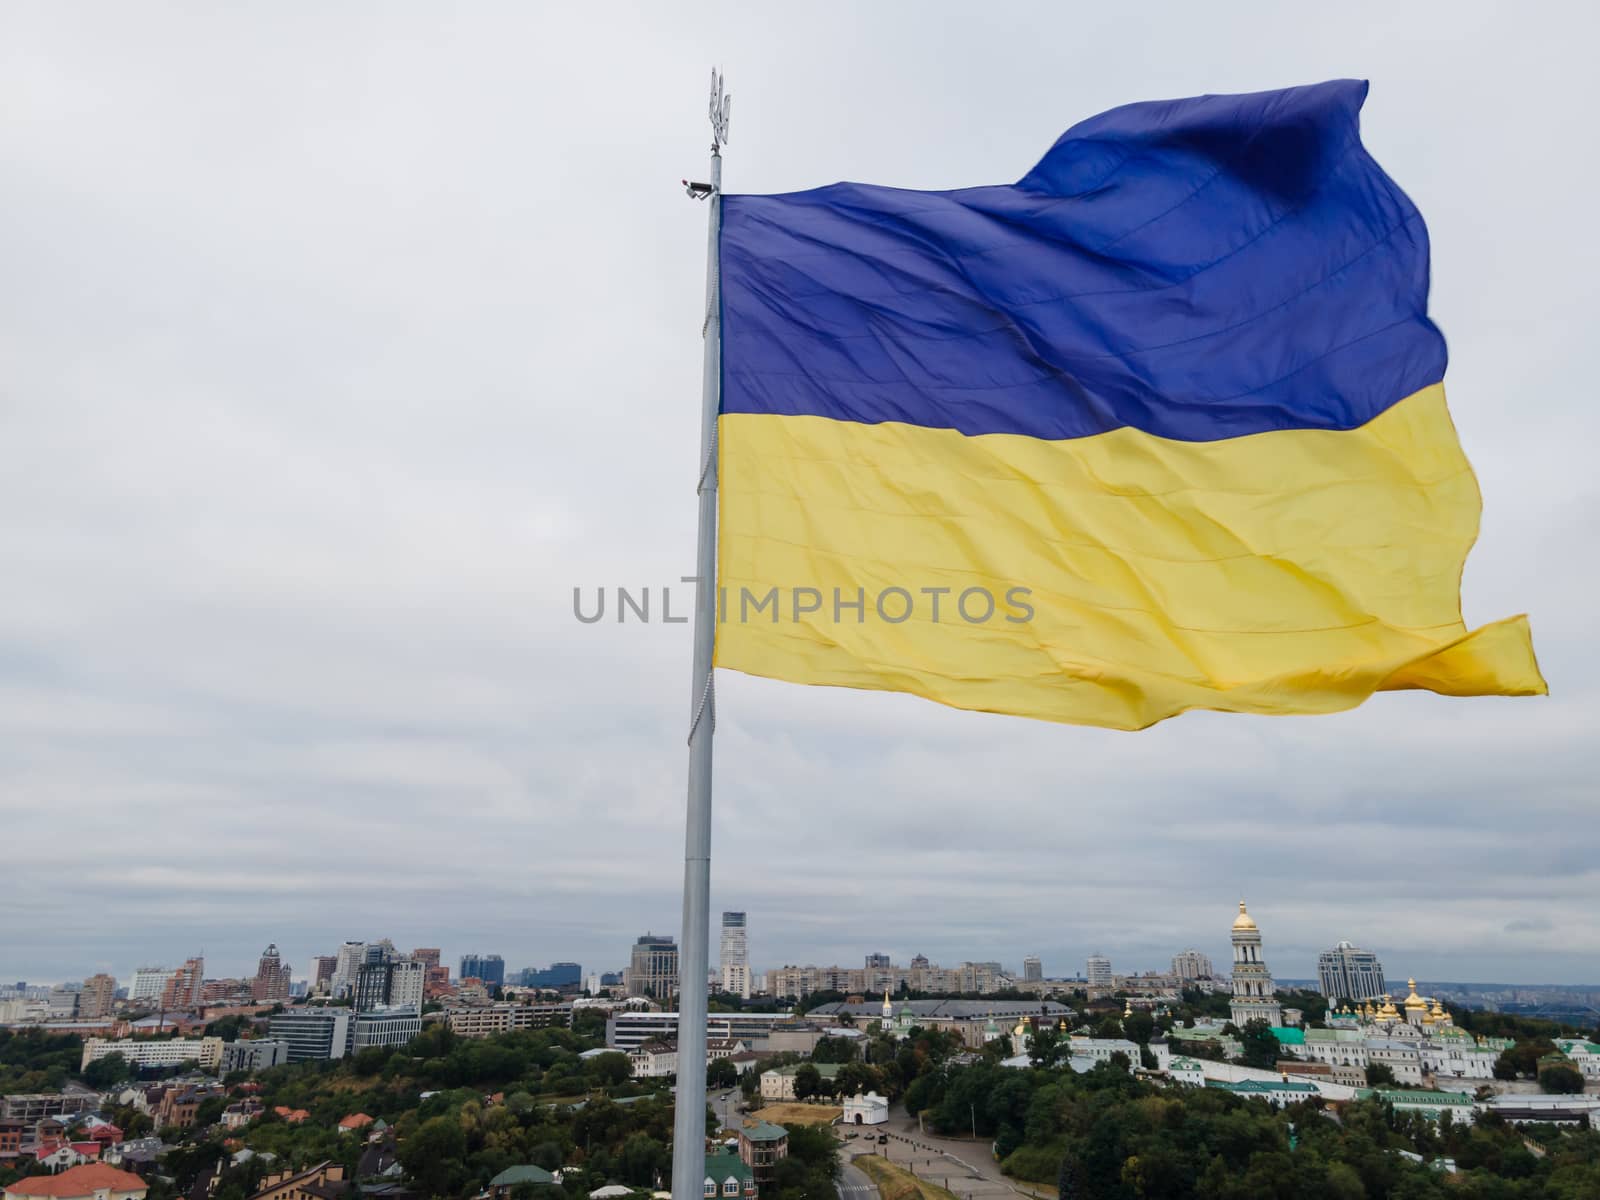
<point x="653" y="969"/>
<point x="1191" y="965"/>
<point x="271" y="983"/>
<point x="351" y="955"/>
<point x="184" y="986"/>
<point x="878" y="962"/>
<point x="98" y="998"/>
<point x="1098" y="971"/>
<point x="64" y="1002"/>
<point x="1032" y="969"/>
<point x="1349" y="973"/>
<point x="428" y="956"/>
<point x="1253" y="993"/>
<point x="735" y="955"/>
<point x="388" y="982"/>
<point x="322" y="968"/>
<point x="490" y="968"/>
<point x="148" y="984"/>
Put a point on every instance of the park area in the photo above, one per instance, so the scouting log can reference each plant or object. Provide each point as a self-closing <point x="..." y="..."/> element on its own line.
<point x="800" y="1114"/>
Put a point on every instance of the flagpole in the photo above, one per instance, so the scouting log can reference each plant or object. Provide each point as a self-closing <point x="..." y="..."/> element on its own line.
<point x="689" y="1115"/>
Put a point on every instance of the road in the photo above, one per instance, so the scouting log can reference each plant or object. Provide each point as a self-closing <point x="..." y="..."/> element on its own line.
<point x="962" y="1166"/>
<point x="726" y="1106"/>
<point x="853" y="1185"/>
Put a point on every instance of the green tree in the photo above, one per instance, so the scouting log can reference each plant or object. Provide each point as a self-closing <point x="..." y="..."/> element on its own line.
<point x="721" y="1073"/>
<point x="642" y="1160"/>
<point x="434" y="1156"/>
<point x="104" y="1072"/>
<point x="1560" y="1077"/>
<point x="1379" y="1074"/>
<point x="1258" y="1048"/>
<point x="1138" y="1027"/>
<point x="807" y="1082"/>
<point x="834" y="1050"/>
<point x="608" y="1070"/>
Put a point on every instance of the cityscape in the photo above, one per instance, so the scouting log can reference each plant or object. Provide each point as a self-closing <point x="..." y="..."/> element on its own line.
<point x="109" y="1082"/>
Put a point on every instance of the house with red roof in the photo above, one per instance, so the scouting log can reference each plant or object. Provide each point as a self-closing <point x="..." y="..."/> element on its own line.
<point x="92" y="1181"/>
<point x="354" y="1123"/>
<point x="61" y="1155"/>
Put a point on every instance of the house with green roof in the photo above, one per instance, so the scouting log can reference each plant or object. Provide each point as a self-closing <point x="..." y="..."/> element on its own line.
<point x="1431" y="1104"/>
<point x="503" y="1184"/>
<point x="1582" y="1054"/>
<point x="1291" y="1036"/>
<point x="729" y="1177"/>
<point x="1186" y="1070"/>
<point x="1276" y="1092"/>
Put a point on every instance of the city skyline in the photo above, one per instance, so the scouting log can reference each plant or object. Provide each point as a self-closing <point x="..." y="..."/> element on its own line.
<point x="1063" y="963"/>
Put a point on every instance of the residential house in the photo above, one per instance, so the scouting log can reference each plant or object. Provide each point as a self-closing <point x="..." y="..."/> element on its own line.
<point x="504" y="1184"/>
<point x="325" y="1181"/>
<point x="94" y="1181"/>
<point x="728" y="1177"/>
<point x="762" y="1145"/>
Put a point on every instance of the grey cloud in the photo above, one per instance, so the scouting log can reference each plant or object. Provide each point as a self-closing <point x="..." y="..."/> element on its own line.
<point x="337" y="350"/>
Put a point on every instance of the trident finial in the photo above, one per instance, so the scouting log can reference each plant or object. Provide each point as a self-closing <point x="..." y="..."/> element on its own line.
<point x="721" y="107"/>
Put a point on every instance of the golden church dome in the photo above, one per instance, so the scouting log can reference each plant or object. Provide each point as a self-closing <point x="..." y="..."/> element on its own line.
<point x="1244" y="920"/>
<point x="1413" y="1000"/>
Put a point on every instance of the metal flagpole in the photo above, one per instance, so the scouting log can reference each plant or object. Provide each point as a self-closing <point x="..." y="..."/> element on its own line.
<point x="689" y="1120"/>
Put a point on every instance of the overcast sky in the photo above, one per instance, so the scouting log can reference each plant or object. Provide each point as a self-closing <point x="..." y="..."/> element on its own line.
<point x="339" y="342"/>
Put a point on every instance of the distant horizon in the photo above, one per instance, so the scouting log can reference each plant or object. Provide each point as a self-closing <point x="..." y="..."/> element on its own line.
<point x="1220" y="963"/>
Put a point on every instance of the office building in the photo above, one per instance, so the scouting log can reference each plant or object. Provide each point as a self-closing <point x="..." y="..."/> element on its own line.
<point x="385" y="1027"/>
<point x="148" y="984"/>
<point x="878" y="962"/>
<point x="428" y="956"/>
<point x="1191" y="965"/>
<point x="271" y="984"/>
<point x="735" y="955"/>
<point x="490" y="968"/>
<point x="1253" y="994"/>
<point x="256" y="1055"/>
<point x="98" y="997"/>
<point x="630" y="1030"/>
<point x="1349" y="973"/>
<point x="1098" y="972"/>
<point x="1032" y="969"/>
<point x="63" y="1002"/>
<point x="653" y="969"/>
<point x="312" y="1032"/>
<point x="561" y="976"/>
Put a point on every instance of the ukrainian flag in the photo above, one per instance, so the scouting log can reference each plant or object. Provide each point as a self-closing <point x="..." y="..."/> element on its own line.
<point x="1167" y="415"/>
